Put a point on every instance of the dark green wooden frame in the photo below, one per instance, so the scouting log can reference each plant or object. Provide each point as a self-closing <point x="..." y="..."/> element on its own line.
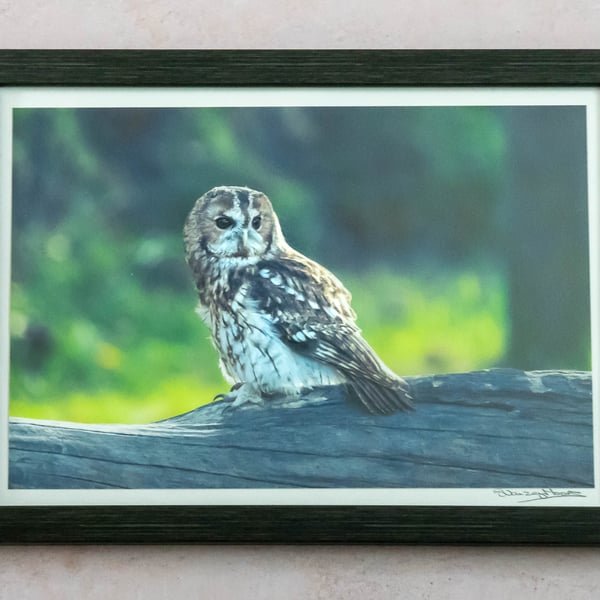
<point x="299" y="524"/>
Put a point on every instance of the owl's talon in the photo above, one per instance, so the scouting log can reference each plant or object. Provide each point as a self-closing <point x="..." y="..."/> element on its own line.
<point x="224" y="398"/>
<point x="231" y="396"/>
<point x="241" y="394"/>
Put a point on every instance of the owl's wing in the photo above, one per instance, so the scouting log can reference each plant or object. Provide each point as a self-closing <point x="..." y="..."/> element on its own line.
<point x="310" y="310"/>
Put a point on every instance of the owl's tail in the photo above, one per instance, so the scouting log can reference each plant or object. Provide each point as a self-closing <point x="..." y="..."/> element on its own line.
<point x="379" y="398"/>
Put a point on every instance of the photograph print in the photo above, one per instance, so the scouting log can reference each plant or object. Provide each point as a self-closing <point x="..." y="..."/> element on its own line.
<point x="328" y="298"/>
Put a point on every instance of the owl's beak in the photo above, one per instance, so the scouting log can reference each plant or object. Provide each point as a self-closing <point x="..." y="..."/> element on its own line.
<point x="243" y="243"/>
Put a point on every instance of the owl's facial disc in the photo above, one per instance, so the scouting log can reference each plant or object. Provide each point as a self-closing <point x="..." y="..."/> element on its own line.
<point x="237" y="223"/>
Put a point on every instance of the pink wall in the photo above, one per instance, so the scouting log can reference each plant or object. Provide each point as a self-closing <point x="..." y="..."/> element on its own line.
<point x="293" y="24"/>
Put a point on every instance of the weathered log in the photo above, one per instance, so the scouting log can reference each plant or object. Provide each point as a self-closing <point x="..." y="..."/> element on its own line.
<point x="496" y="428"/>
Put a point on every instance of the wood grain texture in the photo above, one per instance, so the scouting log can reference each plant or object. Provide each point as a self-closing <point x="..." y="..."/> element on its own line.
<point x="299" y="524"/>
<point x="498" y="428"/>
<point x="298" y="67"/>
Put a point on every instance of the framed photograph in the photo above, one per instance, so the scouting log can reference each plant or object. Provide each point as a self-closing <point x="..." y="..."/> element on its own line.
<point x="299" y="296"/>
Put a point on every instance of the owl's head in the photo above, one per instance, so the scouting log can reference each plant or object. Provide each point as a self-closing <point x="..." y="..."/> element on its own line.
<point x="232" y="222"/>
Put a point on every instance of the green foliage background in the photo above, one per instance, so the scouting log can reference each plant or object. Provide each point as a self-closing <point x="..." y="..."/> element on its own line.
<point x="408" y="206"/>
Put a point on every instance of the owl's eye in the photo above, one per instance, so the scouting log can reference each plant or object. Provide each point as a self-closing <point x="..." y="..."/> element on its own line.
<point x="256" y="223"/>
<point x="223" y="222"/>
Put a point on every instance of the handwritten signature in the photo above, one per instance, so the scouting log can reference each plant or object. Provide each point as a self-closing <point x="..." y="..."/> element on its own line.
<point x="535" y="495"/>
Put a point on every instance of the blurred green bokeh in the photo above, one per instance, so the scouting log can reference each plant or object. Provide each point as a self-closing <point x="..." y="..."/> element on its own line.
<point x="415" y="209"/>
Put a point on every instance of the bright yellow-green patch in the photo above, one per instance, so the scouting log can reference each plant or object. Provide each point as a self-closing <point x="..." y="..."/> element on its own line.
<point x="171" y="398"/>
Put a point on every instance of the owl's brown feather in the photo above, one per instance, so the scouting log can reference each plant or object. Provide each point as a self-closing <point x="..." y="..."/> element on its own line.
<point x="308" y="322"/>
<point x="280" y="321"/>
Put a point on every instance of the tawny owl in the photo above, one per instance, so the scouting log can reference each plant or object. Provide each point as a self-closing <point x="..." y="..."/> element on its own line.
<point x="280" y="322"/>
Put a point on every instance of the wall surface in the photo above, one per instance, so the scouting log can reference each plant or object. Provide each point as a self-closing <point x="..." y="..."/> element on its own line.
<point x="307" y="24"/>
<point x="298" y="572"/>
